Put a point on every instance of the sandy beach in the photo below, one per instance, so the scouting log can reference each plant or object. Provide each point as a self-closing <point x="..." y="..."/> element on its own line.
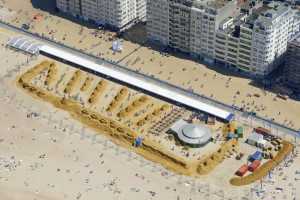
<point x="48" y="155"/>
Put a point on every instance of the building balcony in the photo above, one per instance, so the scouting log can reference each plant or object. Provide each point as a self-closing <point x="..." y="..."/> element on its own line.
<point x="245" y="47"/>
<point x="245" y="58"/>
<point x="220" y="53"/>
<point x="220" y="58"/>
<point x="243" y="67"/>
<point x="246" y="43"/>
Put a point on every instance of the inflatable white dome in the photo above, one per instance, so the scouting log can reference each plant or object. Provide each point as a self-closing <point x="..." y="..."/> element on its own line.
<point x="195" y="135"/>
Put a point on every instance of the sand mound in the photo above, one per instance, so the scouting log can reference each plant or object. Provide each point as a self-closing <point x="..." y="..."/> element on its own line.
<point x="210" y="162"/>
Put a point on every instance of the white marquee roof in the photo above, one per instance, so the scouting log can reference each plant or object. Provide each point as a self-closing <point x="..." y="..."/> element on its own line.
<point x="195" y="131"/>
<point x="150" y="85"/>
<point x="24" y="44"/>
<point x="194" y="134"/>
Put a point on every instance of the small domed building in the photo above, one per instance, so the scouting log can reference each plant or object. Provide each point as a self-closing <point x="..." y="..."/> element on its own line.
<point x="193" y="135"/>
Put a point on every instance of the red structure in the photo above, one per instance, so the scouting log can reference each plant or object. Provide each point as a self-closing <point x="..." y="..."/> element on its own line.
<point x="242" y="170"/>
<point x="265" y="132"/>
<point x="262" y="131"/>
<point x="254" y="165"/>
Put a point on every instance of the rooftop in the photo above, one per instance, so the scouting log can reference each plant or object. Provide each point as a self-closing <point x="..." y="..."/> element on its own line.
<point x="193" y="134"/>
<point x="235" y="22"/>
<point x="211" y="3"/>
<point x="194" y="131"/>
<point x="266" y="14"/>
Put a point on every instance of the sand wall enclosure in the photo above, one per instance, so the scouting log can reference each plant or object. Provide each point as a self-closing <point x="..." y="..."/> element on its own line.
<point x="117" y="99"/>
<point x="118" y="133"/>
<point x="113" y="128"/>
<point x="74" y="80"/>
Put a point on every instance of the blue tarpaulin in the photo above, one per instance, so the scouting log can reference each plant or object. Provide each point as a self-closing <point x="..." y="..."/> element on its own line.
<point x="256" y="156"/>
<point x="138" y="142"/>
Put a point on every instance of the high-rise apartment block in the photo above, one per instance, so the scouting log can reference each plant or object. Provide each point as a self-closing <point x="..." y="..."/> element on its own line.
<point x="256" y="40"/>
<point x="188" y="25"/>
<point x="118" y="14"/>
<point x="292" y="65"/>
<point x="248" y="36"/>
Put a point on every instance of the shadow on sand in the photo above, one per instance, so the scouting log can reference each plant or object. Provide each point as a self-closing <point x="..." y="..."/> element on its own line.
<point x="45" y="5"/>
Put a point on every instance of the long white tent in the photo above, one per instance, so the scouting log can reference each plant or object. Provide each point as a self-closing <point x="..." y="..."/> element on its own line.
<point x="146" y="84"/>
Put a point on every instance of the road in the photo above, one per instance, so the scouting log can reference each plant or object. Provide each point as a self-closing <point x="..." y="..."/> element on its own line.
<point x="275" y="127"/>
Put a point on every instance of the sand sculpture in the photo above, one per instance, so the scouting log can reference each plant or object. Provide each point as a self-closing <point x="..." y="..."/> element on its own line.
<point x="123" y="135"/>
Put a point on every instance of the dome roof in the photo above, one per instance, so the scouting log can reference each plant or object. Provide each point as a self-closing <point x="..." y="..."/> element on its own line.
<point x="194" y="134"/>
<point x="193" y="131"/>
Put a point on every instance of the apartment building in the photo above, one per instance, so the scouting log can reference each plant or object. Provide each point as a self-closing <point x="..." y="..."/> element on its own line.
<point x="257" y="42"/>
<point x="292" y="65"/>
<point x="118" y="14"/>
<point x="72" y="7"/>
<point x="248" y="36"/>
<point x="188" y="25"/>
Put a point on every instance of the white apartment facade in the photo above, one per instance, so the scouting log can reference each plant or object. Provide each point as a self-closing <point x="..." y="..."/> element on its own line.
<point x="259" y="42"/>
<point x="69" y="6"/>
<point x="188" y="25"/>
<point x="158" y="21"/>
<point x="218" y="31"/>
<point x="118" y="14"/>
<point x="270" y="38"/>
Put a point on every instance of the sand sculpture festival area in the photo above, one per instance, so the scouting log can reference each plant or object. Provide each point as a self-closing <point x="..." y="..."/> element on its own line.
<point x="123" y="114"/>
